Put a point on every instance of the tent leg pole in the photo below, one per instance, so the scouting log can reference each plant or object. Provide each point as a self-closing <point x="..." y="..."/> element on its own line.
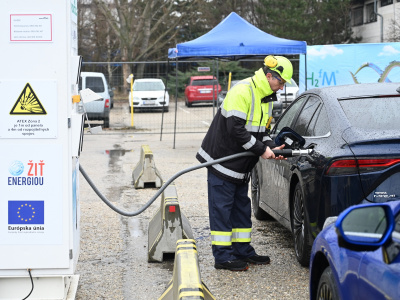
<point x="166" y="88"/>
<point x="305" y="64"/>
<point x="216" y="102"/>
<point x="176" y="99"/>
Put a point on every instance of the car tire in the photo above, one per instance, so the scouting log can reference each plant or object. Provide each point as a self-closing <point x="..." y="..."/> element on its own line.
<point x="106" y="123"/>
<point x="187" y="103"/>
<point x="258" y="212"/>
<point x="300" y="227"/>
<point x="327" y="288"/>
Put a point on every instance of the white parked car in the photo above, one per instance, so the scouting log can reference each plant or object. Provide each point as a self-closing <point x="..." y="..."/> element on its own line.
<point x="288" y="94"/>
<point x="149" y="93"/>
<point x="222" y="94"/>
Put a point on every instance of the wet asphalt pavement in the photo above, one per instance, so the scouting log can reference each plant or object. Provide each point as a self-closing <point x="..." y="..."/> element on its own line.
<point x="113" y="259"/>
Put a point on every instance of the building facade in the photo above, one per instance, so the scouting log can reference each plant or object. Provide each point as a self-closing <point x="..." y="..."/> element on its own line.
<point x="375" y="20"/>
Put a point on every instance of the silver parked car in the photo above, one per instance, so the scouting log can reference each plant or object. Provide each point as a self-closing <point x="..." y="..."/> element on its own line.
<point x="288" y="94"/>
<point x="222" y="94"/>
<point x="99" y="109"/>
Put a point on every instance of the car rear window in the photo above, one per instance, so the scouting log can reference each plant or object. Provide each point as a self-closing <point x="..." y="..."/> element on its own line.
<point x="373" y="113"/>
<point x="148" y="86"/>
<point x="204" y="82"/>
<point x="95" y="84"/>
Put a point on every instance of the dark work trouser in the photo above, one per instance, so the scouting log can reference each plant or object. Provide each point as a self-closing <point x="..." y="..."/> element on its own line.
<point x="230" y="219"/>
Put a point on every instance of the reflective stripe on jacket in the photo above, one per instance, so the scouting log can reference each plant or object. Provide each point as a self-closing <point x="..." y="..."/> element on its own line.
<point x="240" y="125"/>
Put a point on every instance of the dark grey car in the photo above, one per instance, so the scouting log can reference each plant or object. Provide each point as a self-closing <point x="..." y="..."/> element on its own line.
<point x="354" y="132"/>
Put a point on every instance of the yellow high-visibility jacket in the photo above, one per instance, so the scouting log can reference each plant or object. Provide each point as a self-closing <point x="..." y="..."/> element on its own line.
<point x="238" y="126"/>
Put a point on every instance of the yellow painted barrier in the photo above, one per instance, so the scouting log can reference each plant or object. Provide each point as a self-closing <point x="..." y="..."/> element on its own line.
<point x="186" y="283"/>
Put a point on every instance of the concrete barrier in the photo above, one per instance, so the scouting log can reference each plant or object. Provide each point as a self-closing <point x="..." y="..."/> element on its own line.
<point x="186" y="283"/>
<point x="167" y="226"/>
<point x="145" y="173"/>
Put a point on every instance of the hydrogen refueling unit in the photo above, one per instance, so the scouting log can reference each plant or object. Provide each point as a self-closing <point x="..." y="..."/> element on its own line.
<point x="41" y="133"/>
<point x="40" y="140"/>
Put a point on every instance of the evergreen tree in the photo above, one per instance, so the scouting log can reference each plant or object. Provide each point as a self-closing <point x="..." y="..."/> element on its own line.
<point x="317" y="22"/>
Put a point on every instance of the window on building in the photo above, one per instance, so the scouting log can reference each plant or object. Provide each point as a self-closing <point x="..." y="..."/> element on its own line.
<point x="357" y="16"/>
<point x="386" y="2"/>
<point x="370" y="15"/>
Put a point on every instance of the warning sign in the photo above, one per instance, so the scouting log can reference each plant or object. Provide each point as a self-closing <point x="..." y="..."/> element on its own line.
<point x="28" y="103"/>
<point x="29" y="109"/>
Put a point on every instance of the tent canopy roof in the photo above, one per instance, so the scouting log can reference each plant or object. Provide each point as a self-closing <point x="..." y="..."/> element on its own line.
<point x="235" y="38"/>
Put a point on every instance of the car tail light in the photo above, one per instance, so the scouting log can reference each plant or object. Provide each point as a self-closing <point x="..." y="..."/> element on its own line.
<point x="352" y="166"/>
<point x="107" y="103"/>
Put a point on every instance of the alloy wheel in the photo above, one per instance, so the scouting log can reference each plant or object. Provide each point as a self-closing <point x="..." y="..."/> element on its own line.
<point x="325" y="292"/>
<point x="298" y="223"/>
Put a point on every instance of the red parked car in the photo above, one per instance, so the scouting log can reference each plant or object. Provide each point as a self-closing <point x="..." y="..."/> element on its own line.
<point x="200" y="89"/>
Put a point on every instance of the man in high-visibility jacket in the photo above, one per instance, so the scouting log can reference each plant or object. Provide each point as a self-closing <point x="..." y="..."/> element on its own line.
<point x="240" y="125"/>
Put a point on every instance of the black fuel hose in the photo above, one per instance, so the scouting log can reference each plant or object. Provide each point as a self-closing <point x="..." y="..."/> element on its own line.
<point x="284" y="152"/>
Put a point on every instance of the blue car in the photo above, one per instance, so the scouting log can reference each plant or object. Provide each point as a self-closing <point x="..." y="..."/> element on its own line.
<point x="357" y="256"/>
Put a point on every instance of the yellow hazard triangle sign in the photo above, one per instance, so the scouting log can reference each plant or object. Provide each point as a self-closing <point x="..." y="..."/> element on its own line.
<point x="28" y="103"/>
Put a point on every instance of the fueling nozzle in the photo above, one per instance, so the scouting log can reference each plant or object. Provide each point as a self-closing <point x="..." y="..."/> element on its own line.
<point x="290" y="152"/>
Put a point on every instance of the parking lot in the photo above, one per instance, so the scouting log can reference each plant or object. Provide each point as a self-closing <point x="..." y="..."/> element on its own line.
<point x="113" y="259"/>
<point x="189" y="119"/>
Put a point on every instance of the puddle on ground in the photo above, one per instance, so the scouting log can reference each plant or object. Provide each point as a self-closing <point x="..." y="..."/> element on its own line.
<point x="135" y="227"/>
<point x="116" y="152"/>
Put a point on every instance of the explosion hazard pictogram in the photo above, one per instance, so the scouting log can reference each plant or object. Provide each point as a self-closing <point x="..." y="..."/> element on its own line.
<point x="28" y="103"/>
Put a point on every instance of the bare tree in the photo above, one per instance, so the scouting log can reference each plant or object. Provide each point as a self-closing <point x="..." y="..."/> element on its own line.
<point x="143" y="28"/>
<point x="394" y="32"/>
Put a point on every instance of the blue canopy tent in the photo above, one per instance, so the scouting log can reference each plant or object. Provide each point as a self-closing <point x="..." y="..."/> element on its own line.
<point x="234" y="39"/>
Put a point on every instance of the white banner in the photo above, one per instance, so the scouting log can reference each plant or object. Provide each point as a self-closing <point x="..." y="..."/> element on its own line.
<point x="340" y="64"/>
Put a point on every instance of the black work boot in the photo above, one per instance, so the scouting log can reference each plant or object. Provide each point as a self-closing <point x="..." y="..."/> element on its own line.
<point x="235" y="265"/>
<point x="257" y="260"/>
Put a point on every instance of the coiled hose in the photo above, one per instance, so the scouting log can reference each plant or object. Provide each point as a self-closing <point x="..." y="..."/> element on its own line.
<point x="164" y="186"/>
<point x="283" y="152"/>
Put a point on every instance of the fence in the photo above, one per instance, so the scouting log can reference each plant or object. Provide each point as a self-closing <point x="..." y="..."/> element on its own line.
<point x="179" y="118"/>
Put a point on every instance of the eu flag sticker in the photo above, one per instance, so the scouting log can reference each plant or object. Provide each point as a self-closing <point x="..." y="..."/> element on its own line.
<point x="25" y="212"/>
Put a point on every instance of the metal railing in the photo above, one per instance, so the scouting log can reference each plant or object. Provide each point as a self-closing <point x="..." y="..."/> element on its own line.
<point x="179" y="118"/>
